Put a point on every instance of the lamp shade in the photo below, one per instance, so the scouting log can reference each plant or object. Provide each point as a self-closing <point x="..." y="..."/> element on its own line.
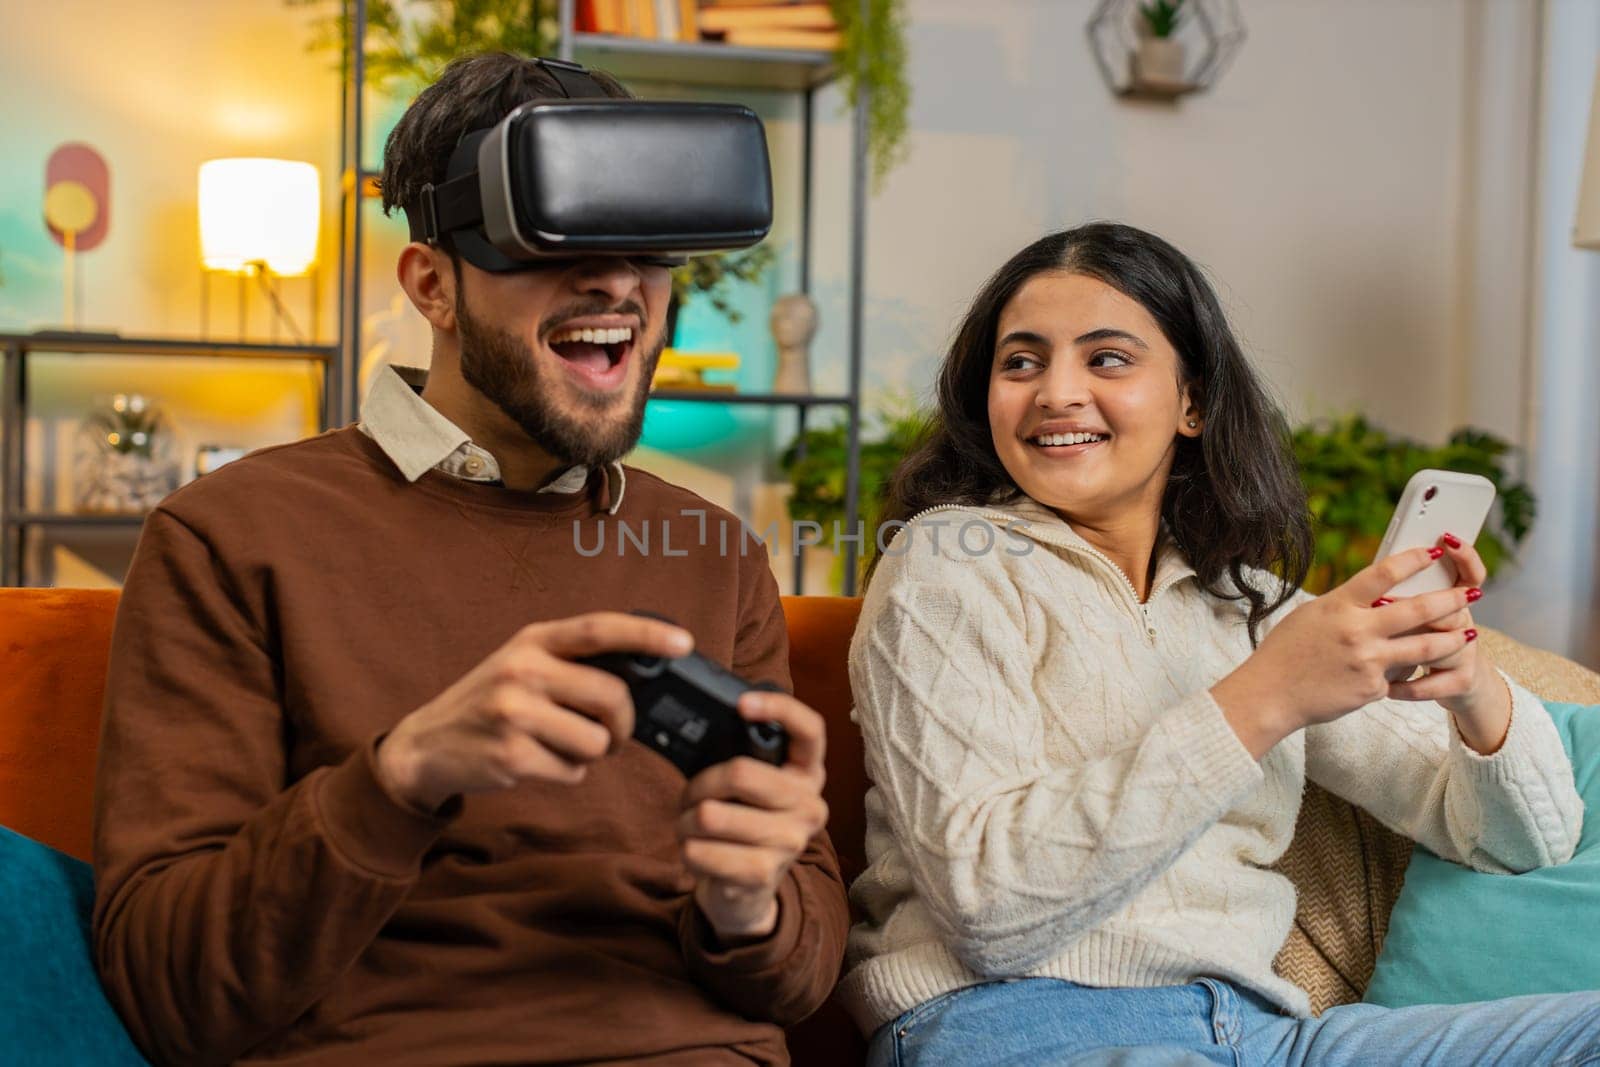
<point x="255" y="211"/>
<point x="1586" y="227"/>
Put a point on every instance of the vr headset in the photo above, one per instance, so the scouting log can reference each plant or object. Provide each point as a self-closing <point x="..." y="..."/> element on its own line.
<point x="585" y="176"/>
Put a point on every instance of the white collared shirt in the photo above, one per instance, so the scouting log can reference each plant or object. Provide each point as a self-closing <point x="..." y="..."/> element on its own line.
<point x="417" y="438"/>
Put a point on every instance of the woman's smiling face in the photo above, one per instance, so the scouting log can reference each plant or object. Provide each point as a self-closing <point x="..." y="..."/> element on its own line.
<point x="1085" y="398"/>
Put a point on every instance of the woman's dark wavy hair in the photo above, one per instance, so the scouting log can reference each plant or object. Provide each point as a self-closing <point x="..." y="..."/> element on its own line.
<point x="1234" y="498"/>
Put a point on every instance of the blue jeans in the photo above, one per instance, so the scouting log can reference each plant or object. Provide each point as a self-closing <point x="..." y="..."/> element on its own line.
<point x="1032" y="1022"/>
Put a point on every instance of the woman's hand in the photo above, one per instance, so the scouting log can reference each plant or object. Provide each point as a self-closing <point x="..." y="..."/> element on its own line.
<point x="1465" y="683"/>
<point x="1330" y="656"/>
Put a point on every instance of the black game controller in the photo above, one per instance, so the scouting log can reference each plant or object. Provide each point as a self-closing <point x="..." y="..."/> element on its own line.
<point x="685" y="708"/>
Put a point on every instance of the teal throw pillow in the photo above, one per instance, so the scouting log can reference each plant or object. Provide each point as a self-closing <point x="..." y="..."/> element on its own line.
<point x="1458" y="936"/>
<point x="55" y="1011"/>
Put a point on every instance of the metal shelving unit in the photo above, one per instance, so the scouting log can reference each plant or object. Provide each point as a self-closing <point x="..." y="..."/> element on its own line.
<point x="15" y="520"/>
<point x="756" y="399"/>
<point x="657" y="63"/>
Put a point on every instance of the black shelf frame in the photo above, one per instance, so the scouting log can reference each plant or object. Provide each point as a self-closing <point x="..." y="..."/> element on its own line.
<point x="15" y="519"/>
<point x="657" y="63"/>
<point x="770" y="400"/>
<point x="67" y="520"/>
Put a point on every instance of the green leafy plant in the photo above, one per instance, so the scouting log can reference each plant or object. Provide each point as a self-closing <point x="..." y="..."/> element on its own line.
<point x="1354" y="474"/>
<point x="711" y="275"/>
<point x="1162" y="17"/>
<point x="127" y="425"/>
<point x="818" y="477"/>
<point x="409" y="44"/>
<point x="874" y="56"/>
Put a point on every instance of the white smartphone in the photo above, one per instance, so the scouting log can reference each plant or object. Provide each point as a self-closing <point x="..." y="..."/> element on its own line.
<point x="1436" y="503"/>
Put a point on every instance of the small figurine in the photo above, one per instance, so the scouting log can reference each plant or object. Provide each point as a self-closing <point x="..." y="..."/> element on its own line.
<point x="794" y="324"/>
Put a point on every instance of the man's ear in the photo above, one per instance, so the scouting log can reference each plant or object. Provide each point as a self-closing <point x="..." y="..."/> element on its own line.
<point x="429" y="278"/>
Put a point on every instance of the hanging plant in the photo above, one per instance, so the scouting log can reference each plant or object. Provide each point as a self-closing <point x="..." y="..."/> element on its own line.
<point x="874" y="55"/>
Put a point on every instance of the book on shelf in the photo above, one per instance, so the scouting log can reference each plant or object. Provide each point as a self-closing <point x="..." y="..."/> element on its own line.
<point x="806" y="25"/>
<point x="667" y="17"/>
<point x="804" y="40"/>
<point x="644" y="18"/>
<point x="806" y="16"/>
<point x="660" y="20"/>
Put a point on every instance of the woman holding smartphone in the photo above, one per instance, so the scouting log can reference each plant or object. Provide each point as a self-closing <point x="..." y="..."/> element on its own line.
<point x="1090" y="703"/>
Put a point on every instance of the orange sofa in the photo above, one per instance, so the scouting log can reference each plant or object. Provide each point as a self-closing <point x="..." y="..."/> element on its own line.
<point x="1347" y="868"/>
<point x="53" y="649"/>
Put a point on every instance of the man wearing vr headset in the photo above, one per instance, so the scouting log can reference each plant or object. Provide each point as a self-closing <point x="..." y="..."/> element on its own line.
<point x="358" y="802"/>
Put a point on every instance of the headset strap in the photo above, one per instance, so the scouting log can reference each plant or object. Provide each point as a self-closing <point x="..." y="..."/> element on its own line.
<point x="454" y="205"/>
<point x="574" y="78"/>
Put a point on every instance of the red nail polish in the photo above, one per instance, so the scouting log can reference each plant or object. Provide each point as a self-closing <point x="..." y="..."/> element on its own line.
<point x="1452" y="540"/>
<point x="1382" y="601"/>
<point x="1474" y="595"/>
<point x="1435" y="552"/>
<point x="1472" y="635"/>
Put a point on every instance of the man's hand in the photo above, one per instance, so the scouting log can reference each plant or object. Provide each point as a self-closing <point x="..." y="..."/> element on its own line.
<point x="744" y="822"/>
<point x="526" y="713"/>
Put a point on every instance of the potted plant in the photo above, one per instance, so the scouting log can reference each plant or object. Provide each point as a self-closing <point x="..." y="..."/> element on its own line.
<point x="1160" y="58"/>
<point x="1354" y="474"/>
<point x="817" y="479"/>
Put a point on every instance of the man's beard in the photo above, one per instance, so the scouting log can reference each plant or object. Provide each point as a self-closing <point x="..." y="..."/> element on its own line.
<point x="504" y="368"/>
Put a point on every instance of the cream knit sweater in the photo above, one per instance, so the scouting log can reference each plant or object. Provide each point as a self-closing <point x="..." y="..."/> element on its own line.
<point x="1057" y="794"/>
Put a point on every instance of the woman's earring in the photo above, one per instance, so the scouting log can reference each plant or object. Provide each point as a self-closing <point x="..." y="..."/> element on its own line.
<point x="1193" y="424"/>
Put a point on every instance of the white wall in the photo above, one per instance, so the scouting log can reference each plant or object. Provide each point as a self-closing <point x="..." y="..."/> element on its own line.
<point x="1321" y="182"/>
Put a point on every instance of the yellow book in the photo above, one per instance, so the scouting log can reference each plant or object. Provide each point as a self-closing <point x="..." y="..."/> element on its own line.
<point x="688" y="20"/>
<point x="686" y="370"/>
<point x="673" y="357"/>
<point x="803" y="40"/>
<point x="794" y="17"/>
